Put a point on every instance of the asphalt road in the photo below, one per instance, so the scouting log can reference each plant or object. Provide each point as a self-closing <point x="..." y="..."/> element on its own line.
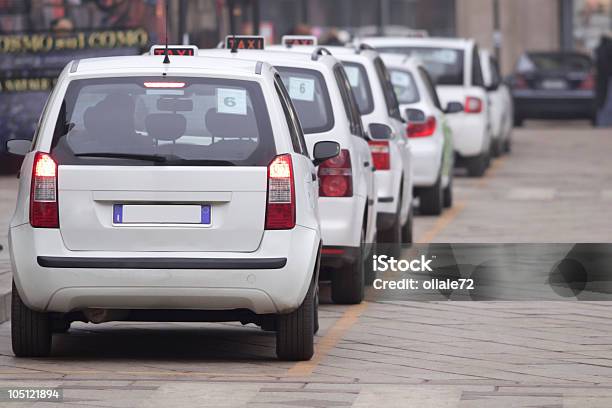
<point x="556" y="186"/>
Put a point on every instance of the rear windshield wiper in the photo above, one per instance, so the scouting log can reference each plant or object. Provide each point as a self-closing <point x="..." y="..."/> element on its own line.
<point x="134" y="156"/>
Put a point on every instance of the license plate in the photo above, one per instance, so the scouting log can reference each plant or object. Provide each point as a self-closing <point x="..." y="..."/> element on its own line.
<point x="161" y="214"/>
<point x="554" y="84"/>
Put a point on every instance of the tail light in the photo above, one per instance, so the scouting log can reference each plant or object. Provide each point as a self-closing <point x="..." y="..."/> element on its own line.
<point x="336" y="176"/>
<point x="43" y="193"/>
<point x="588" y="83"/>
<point x="473" y="105"/>
<point x="421" y="129"/>
<point x="380" y="154"/>
<point x="280" y="206"/>
<point x="520" y="82"/>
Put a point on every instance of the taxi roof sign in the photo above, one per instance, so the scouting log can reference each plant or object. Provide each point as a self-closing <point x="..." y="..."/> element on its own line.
<point x="174" y="50"/>
<point x="291" y="40"/>
<point x="245" y="42"/>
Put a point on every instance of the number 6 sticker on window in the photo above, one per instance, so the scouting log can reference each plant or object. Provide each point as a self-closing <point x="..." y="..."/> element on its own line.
<point x="301" y="89"/>
<point x="232" y="101"/>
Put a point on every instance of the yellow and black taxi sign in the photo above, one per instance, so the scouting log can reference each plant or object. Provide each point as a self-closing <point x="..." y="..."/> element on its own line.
<point x="175" y="50"/>
<point x="245" y="42"/>
<point x="291" y="40"/>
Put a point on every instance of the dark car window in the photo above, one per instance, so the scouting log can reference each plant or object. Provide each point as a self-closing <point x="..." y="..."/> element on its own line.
<point x="348" y="100"/>
<point x="445" y="65"/>
<point x="554" y="62"/>
<point x="387" y="86"/>
<point x="292" y="117"/>
<point x="360" y="84"/>
<point x="477" y="78"/>
<point x="309" y="95"/>
<point x="183" y="121"/>
<point x="404" y="86"/>
<point x="431" y="88"/>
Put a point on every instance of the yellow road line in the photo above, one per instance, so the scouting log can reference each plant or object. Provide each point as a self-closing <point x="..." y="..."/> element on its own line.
<point x="446" y="218"/>
<point x="329" y="341"/>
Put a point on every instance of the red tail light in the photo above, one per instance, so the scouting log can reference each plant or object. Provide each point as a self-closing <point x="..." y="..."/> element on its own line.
<point x="336" y="176"/>
<point x="43" y="193"/>
<point x="280" y="207"/>
<point x="423" y="129"/>
<point x="380" y="154"/>
<point x="588" y="83"/>
<point x="473" y="105"/>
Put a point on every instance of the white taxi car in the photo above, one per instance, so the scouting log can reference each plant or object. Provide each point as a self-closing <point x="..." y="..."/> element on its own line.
<point x="454" y="65"/>
<point x="173" y="191"/>
<point x="326" y="108"/>
<point x="428" y="131"/>
<point x="500" y="98"/>
<point x="391" y="151"/>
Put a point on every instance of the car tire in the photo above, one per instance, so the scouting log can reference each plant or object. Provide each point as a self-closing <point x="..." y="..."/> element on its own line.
<point x="391" y="238"/>
<point x="348" y="281"/>
<point x="407" y="229"/>
<point x="476" y="166"/>
<point x="518" y="121"/>
<point x="30" y="330"/>
<point x="295" y="330"/>
<point x="316" y="312"/>
<point x="431" y="199"/>
<point x="507" y="145"/>
<point x="448" y="192"/>
<point x="496" y="148"/>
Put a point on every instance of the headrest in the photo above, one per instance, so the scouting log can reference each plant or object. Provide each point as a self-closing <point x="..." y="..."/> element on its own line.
<point x="165" y="126"/>
<point x="230" y="125"/>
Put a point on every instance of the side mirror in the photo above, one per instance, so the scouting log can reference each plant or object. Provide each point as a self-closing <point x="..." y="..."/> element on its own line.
<point x="18" y="147"/>
<point x="325" y="151"/>
<point x="379" y="131"/>
<point x="454" y="107"/>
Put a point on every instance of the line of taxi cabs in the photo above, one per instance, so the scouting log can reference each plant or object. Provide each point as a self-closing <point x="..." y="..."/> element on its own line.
<point x="208" y="185"/>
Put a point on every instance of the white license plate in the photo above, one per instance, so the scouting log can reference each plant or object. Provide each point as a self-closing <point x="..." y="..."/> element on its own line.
<point x="554" y="84"/>
<point x="161" y="214"/>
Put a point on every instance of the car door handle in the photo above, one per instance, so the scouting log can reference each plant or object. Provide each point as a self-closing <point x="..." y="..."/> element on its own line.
<point x="314" y="176"/>
<point x="366" y="164"/>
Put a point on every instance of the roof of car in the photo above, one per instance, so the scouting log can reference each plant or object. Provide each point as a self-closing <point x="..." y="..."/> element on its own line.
<point x="274" y="57"/>
<point x="418" y="42"/>
<point x="148" y="62"/>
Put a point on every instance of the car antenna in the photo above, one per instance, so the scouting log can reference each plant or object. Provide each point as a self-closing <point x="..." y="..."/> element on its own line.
<point x="234" y="45"/>
<point x="166" y="58"/>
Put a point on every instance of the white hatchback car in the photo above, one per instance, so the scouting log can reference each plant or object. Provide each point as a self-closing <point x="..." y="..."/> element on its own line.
<point x="321" y="94"/>
<point x="502" y="108"/>
<point x="178" y="191"/>
<point x="454" y="65"/>
<point x="428" y="131"/>
<point x="391" y="151"/>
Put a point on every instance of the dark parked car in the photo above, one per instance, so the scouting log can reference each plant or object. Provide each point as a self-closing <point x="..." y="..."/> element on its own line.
<point x="554" y="85"/>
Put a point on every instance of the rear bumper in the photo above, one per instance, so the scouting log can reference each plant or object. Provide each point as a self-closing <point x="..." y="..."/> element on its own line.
<point x="541" y="104"/>
<point x="427" y="159"/>
<point x="340" y="220"/>
<point x="273" y="279"/>
<point x="470" y="134"/>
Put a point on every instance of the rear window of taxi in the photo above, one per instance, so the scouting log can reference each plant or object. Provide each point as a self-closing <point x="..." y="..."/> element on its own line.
<point x="162" y="121"/>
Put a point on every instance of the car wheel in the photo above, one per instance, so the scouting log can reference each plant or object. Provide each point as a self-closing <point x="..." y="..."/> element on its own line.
<point x="507" y="145"/>
<point x="518" y="121"/>
<point x="30" y="330"/>
<point x="448" y="192"/>
<point x="295" y="330"/>
<point x="60" y="326"/>
<point x="407" y="236"/>
<point x="476" y="166"/>
<point x="347" y="284"/>
<point x="431" y="200"/>
<point x="391" y="238"/>
<point x="316" y="311"/>
<point x="496" y="147"/>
